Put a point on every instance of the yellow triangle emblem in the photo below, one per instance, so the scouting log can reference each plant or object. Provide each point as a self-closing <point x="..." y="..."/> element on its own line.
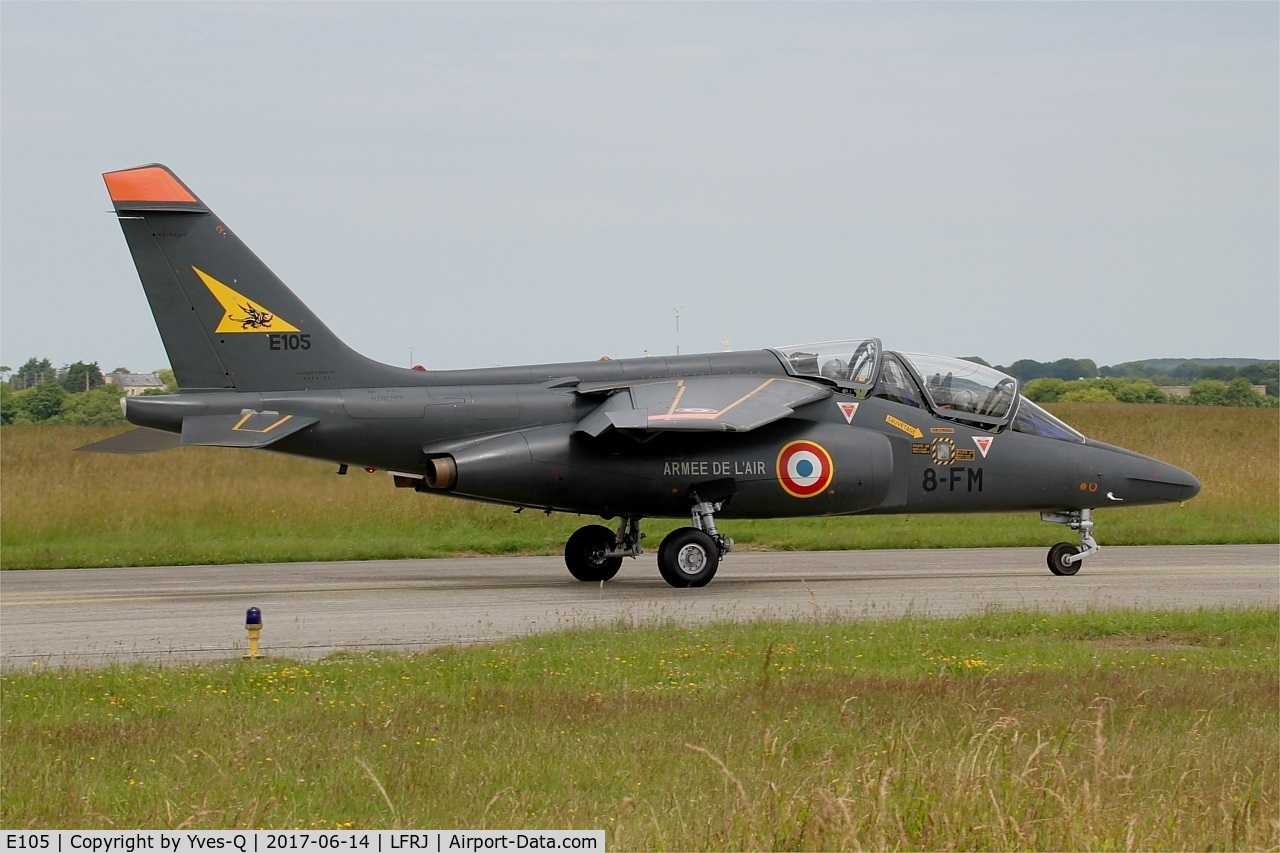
<point x="239" y="313"/>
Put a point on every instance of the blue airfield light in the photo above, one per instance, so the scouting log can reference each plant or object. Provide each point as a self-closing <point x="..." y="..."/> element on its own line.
<point x="253" y="624"/>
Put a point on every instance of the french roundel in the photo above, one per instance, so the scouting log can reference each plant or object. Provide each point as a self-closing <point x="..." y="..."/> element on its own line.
<point x="805" y="469"/>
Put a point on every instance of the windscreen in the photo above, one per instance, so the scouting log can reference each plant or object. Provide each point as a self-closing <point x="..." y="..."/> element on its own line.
<point x="1034" y="420"/>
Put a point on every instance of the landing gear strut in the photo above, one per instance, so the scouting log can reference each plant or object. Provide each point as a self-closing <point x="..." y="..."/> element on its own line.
<point x="689" y="556"/>
<point x="1065" y="558"/>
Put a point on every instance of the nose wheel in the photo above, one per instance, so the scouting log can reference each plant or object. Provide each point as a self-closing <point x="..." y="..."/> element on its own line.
<point x="1060" y="562"/>
<point x="1064" y="558"/>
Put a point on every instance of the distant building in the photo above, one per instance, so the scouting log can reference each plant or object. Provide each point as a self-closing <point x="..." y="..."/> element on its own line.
<point x="134" y="384"/>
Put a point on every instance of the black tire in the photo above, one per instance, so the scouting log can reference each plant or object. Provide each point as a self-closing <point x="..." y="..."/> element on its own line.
<point x="584" y="554"/>
<point x="688" y="557"/>
<point x="1057" y="559"/>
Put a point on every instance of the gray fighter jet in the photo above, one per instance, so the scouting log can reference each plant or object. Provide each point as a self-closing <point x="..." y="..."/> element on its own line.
<point x="834" y="428"/>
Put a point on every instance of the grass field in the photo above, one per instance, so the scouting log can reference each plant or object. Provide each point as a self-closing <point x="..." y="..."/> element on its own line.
<point x="209" y="505"/>
<point x="1089" y="731"/>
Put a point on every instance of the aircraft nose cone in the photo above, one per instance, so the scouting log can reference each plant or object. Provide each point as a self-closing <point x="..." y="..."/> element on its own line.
<point x="1159" y="481"/>
<point x="1189" y="484"/>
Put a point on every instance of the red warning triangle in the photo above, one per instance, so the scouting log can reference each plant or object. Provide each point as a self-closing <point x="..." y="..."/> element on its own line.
<point x="850" y="409"/>
<point x="984" y="443"/>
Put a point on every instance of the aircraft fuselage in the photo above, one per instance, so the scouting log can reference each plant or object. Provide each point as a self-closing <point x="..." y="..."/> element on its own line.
<point x="516" y="444"/>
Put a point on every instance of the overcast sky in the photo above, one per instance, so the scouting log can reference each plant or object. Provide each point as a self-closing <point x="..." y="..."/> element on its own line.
<point x="511" y="183"/>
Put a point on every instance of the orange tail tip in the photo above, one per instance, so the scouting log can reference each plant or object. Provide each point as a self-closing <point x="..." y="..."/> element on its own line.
<point x="152" y="184"/>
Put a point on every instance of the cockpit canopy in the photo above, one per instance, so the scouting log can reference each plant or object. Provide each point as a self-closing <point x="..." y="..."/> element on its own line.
<point x="852" y="365"/>
<point x="964" y="390"/>
<point x="951" y="388"/>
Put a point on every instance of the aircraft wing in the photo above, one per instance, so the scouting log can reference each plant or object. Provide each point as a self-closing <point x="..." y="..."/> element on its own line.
<point x="698" y="403"/>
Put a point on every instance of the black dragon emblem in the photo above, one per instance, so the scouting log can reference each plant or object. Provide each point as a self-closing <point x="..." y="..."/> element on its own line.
<point x="255" y="319"/>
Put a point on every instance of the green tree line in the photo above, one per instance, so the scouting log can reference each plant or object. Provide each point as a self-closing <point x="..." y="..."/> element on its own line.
<point x="80" y="393"/>
<point x="1265" y="373"/>
<point x="1205" y="392"/>
<point x="74" y="394"/>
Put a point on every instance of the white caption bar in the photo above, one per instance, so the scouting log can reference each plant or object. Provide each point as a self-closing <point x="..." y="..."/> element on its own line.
<point x="287" y="841"/>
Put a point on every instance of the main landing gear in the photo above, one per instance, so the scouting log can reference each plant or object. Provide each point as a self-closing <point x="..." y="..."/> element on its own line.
<point x="594" y="553"/>
<point x="688" y="556"/>
<point x="1065" y="558"/>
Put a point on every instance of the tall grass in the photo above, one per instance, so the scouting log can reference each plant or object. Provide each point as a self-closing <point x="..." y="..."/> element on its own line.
<point x="1006" y="731"/>
<point x="198" y="505"/>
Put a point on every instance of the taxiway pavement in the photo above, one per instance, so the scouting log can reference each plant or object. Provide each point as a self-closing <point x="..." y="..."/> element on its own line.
<point x="95" y="617"/>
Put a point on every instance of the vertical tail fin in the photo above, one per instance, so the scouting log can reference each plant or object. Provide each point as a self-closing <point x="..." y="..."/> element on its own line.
<point x="226" y="320"/>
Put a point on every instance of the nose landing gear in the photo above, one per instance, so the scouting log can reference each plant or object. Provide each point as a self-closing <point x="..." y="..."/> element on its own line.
<point x="1065" y="558"/>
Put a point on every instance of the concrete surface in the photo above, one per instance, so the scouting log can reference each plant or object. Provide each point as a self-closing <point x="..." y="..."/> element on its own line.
<point x="95" y="617"/>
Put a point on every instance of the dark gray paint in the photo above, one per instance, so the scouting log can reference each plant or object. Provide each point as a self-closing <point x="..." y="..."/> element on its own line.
<point x="609" y="438"/>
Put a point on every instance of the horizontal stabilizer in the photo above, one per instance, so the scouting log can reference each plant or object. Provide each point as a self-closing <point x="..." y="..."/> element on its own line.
<point x="140" y="440"/>
<point x="247" y="429"/>
<point x="700" y="404"/>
